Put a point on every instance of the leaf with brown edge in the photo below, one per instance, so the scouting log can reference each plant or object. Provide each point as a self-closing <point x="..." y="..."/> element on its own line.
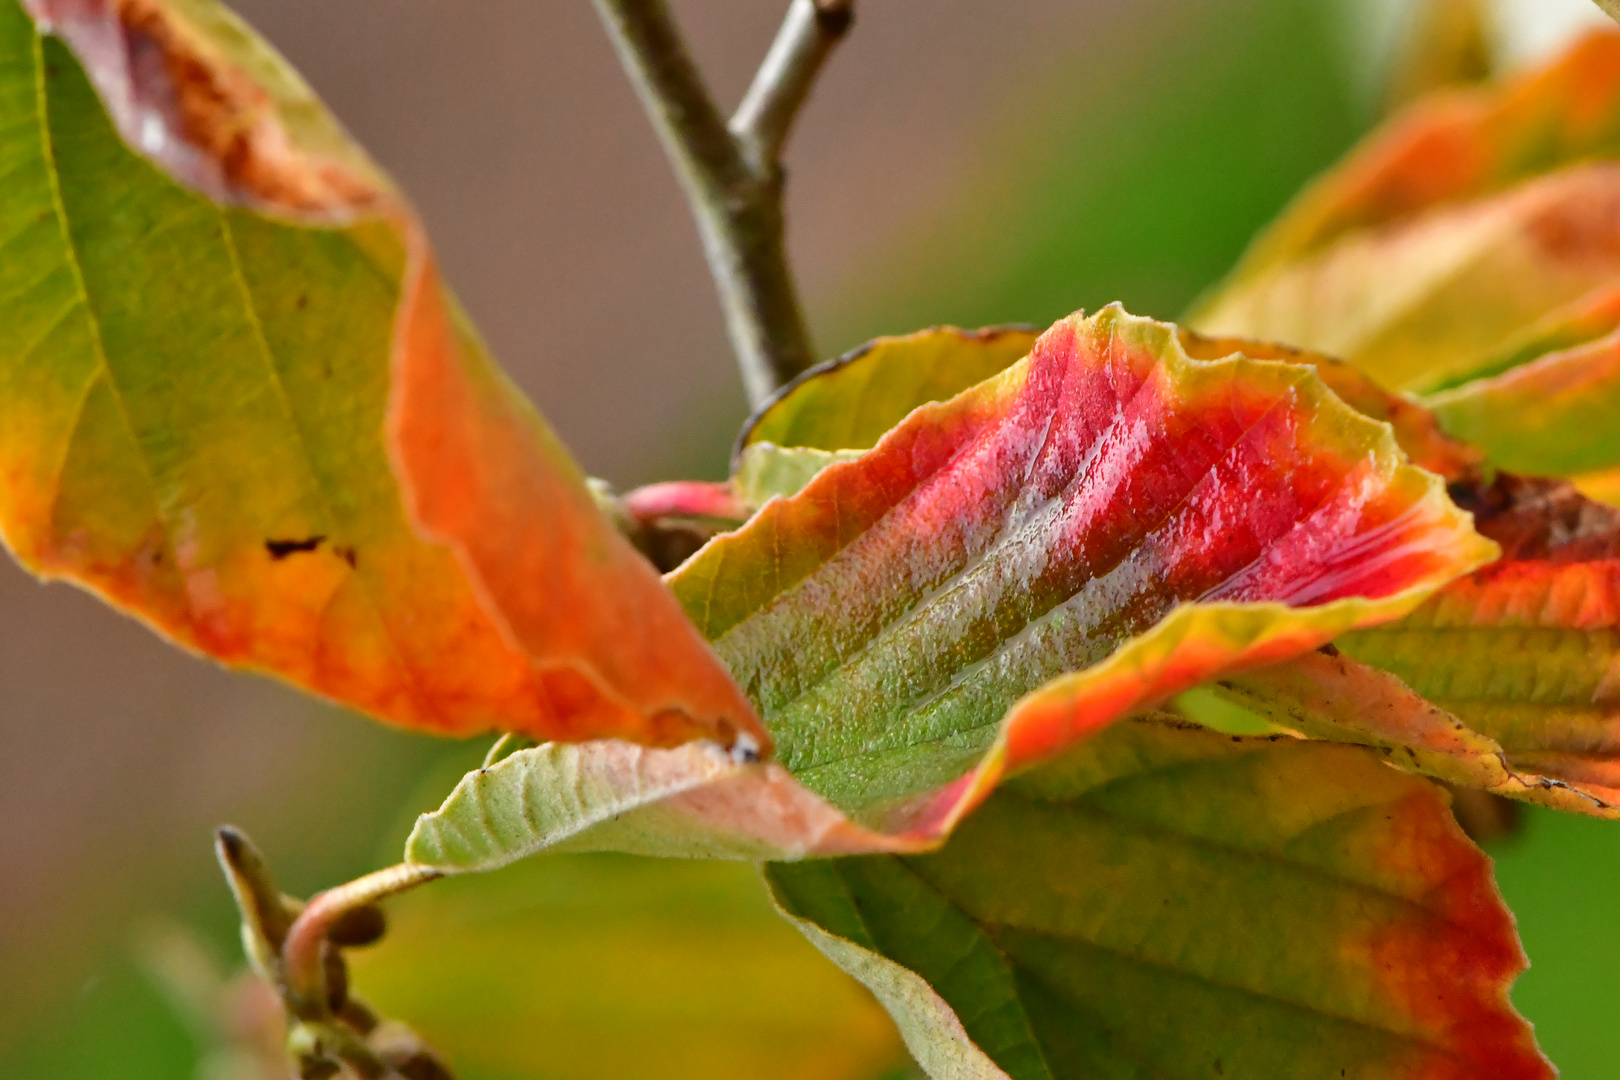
<point x="1451" y="148"/>
<point x="1167" y="901"/>
<point x="199" y="352"/>
<point x="851" y="402"/>
<point x="1505" y="679"/>
<point x="1103" y="525"/>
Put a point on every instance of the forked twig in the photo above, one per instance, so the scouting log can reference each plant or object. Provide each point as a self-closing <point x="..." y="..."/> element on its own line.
<point x="732" y="173"/>
<point x="297" y="949"/>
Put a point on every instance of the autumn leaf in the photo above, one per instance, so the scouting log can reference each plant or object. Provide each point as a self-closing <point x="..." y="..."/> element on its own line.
<point x="1454" y="147"/>
<point x="1417" y="429"/>
<point x="1428" y="301"/>
<point x="1104" y="524"/>
<point x="1168" y="901"/>
<point x="213" y="360"/>
<point x="1503" y="680"/>
<point x="1470" y="234"/>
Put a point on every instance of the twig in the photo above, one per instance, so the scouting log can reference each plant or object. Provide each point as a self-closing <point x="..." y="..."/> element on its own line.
<point x="302" y="954"/>
<point x="732" y="175"/>
<point x="809" y="33"/>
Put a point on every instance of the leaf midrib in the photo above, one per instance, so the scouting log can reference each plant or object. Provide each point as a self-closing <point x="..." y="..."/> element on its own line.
<point x="955" y="582"/>
<point x="314" y="485"/>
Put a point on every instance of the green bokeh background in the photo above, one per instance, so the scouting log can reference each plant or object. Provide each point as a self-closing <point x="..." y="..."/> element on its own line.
<point x="1135" y="170"/>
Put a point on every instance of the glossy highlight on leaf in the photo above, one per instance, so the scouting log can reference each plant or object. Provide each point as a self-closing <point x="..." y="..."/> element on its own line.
<point x="1068" y="506"/>
<point x="1168" y="901"/>
<point x="196" y="383"/>
<point x="1098" y="528"/>
<point x="1504" y="680"/>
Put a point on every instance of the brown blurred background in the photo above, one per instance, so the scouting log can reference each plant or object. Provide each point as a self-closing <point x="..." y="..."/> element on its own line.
<point x="962" y="160"/>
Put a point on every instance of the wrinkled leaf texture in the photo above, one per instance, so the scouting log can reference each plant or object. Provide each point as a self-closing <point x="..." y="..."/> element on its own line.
<point x="1164" y="900"/>
<point x="1509" y="682"/>
<point x="1106" y="523"/>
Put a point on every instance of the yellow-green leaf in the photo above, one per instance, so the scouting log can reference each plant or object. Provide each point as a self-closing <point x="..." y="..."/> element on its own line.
<point x="851" y="402"/>
<point x="203" y="352"/>
<point x="1557" y="415"/>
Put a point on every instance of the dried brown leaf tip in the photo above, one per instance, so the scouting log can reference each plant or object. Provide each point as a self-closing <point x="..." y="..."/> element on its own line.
<point x="193" y="89"/>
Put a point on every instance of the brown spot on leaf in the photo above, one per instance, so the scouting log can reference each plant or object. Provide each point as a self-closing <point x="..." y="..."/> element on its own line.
<point x="281" y="549"/>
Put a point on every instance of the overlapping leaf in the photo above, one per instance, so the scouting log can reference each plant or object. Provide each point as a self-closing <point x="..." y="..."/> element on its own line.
<point x="1430" y="300"/>
<point x="1558" y="415"/>
<point x="1106" y="523"/>
<point x="198" y="357"/>
<point x="1472" y="233"/>
<point x="1167" y="901"/>
<point x="1454" y="147"/>
<point x="852" y="402"/>
<point x="1504" y="680"/>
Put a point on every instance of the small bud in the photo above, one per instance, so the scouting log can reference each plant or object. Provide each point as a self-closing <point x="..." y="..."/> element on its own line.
<point x="359" y="926"/>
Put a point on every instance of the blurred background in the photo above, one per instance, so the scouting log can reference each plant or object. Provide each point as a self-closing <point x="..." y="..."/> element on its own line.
<point x="962" y="161"/>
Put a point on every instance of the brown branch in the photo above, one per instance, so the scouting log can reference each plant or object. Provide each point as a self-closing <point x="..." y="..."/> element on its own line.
<point x="808" y="36"/>
<point x="732" y="176"/>
<point x="297" y="949"/>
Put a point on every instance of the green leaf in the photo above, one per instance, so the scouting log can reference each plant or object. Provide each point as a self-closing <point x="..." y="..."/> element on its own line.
<point x="764" y="470"/>
<point x="212" y="360"/>
<point x="1558" y="415"/>
<point x="852" y="402"/>
<point x="605" y="967"/>
<point x="690" y="801"/>
<point x="1103" y="525"/>
<point x="1168" y="901"/>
